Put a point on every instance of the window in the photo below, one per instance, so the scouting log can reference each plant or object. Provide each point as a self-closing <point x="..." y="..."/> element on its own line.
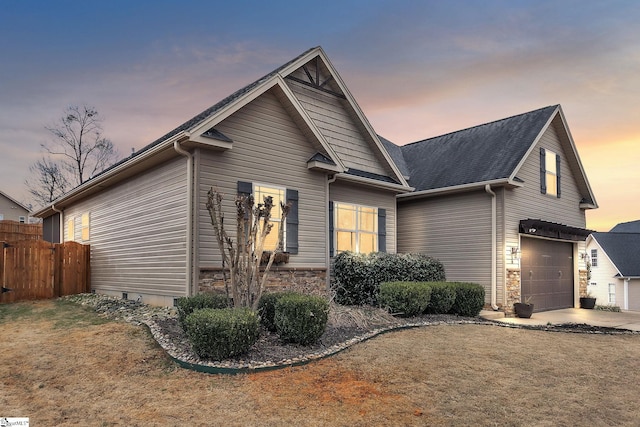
<point x="594" y="257"/>
<point x="612" y="293"/>
<point x="290" y="229"/>
<point x="1" y="217"/>
<point x="71" y="230"/>
<point x="22" y="219"/>
<point x="356" y="228"/>
<point x="549" y="173"/>
<point x="278" y="195"/>
<point x="85" y="226"/>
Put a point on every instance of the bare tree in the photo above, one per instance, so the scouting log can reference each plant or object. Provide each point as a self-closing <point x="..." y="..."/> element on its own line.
<point x="77" y="151"/>
<point x="47" y="181"/>
<point x="242" y="258"/>
<point x="78" y="144"/>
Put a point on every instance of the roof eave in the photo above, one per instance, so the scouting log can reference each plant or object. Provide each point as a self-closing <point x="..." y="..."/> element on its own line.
<point x="504" y="182"/>
<point x="374" y="183"/>
<point x="92" y="186"/>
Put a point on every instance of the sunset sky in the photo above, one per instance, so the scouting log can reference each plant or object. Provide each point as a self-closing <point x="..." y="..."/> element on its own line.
<point x="417" y="69"/>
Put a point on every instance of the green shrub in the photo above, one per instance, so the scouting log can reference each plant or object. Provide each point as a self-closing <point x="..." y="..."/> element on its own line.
<point x="222" y="333"/>
<point x="443" y="296"/>
<point x="357" y="277"/>
<point x="469" y="299"/>
<point x="187" y="305"/>
<point x="406" y="298"/>
<point x="301" y="318"/>
<point x="267" y="309"/>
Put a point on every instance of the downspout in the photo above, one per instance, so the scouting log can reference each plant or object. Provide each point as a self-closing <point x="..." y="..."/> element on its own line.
<point x="61" y="231"/>
<point x="180" y="150"/>
<point x="625" y="291"/>
<point x="331" y="179"/>
<point x="494" y="257"/>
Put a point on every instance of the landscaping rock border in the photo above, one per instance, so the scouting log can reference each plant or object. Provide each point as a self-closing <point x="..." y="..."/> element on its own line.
<point x="163" y="325"/>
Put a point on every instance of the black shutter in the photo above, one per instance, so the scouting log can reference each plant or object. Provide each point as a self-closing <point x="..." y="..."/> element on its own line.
<point x="558" y="174"/>
<point x="543" y="172"/>
<point x="245" y="189"/>
<point x="292" y="222"/>
<point x="331" y="249"/>
<point x="382" y="230"/>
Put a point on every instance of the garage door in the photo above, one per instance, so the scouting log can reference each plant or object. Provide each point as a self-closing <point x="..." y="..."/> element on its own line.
<point x="547" y="273"/>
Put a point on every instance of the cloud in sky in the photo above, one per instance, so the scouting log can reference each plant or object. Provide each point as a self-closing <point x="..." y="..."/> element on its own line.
<point x="417" y="69"/>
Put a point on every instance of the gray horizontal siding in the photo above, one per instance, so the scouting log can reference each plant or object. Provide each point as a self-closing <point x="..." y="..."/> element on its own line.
<point x="357" y="194"/>
<point x="138" y="232"/>
<point x="529" y="202"/>
<point x="268" y="148"/>
<point x="339" y="128"/>
<point x="454" y="229"/>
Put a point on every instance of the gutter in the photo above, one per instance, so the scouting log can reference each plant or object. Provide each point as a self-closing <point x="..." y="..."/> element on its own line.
<point x="494" y="257"/>
<point x="460" y="188"/>
<point x="88" y="186"/>
<point x="189" y="255"/>
<point x="374" y="183"/>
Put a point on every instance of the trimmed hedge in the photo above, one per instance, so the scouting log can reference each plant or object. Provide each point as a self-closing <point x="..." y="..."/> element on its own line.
<point x="443" y="296"/>
<point x="267" y="308"/>
<point x="469" y="299"/>
<point x="222" y="333"/>
<point x="357" y="277"/>
<point x="301" y="319"/>
<point x="187" y="305"/>
<point x="405" y="298"/>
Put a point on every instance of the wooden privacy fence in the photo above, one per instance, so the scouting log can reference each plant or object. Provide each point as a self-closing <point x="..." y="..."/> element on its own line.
<point x="35" y="269"/>
<point x="11" y="231"/>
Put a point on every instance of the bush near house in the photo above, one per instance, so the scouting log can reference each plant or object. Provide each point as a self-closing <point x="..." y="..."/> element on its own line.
<point x="221" y="333"/>
<point x="301" y="319"/>
<point x="443" y="296"/>
<point x="405" y="298"/>
<point x="357" y="277"/>
<point x="267" y="308"/>
<point x="469" y="299"/>
<point x="187" y="305"/>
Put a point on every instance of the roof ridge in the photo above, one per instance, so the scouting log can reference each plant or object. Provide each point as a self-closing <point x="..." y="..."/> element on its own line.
<point x="479" y="125"/>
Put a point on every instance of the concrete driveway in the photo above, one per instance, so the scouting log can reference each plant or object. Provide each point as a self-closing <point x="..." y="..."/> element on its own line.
<point x="625" y="320"/>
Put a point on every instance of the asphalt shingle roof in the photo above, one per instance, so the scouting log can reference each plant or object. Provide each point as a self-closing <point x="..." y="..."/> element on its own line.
<point x="482" y="153"/>
<point x="627" y="227"/>
<point x="623" y="249"/>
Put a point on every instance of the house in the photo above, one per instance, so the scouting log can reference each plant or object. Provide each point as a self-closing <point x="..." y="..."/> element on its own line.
<point x="614" y="266"/>
<point x="502" y="204"/>
<point x="296" y="134"/>
<point x="11" y="209"/>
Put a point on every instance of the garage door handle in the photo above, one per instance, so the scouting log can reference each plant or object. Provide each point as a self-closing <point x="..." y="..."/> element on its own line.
<point x="560" y="273"/>
<point x="530" y="274"/>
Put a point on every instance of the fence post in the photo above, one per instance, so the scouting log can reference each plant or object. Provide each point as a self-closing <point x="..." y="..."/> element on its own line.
<point x="2" y="264"/>
<point x="57" y="268"/>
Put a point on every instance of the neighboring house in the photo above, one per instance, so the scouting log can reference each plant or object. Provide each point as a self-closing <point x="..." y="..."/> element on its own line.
<point x="10" y="209"/>
<point x="501" y="204"/>
<point x="296" y="134"/>
<point x="615" y="266"/>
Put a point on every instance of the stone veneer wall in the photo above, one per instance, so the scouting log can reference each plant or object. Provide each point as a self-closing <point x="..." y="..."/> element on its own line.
<point x="308" y="281"/>
<point x="513" y="290"/>
<point x="584" y="281"/>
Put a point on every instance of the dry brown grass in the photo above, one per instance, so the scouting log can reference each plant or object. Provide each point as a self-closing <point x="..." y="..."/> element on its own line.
<point x="64" y="366"/>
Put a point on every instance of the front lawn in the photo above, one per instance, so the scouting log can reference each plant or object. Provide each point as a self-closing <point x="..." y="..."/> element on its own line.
<point x="62" y="365"/>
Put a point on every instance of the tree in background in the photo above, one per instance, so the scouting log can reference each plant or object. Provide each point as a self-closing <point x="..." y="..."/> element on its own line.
<point x="47" y="181"/>
<point x="77" y="152"/>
